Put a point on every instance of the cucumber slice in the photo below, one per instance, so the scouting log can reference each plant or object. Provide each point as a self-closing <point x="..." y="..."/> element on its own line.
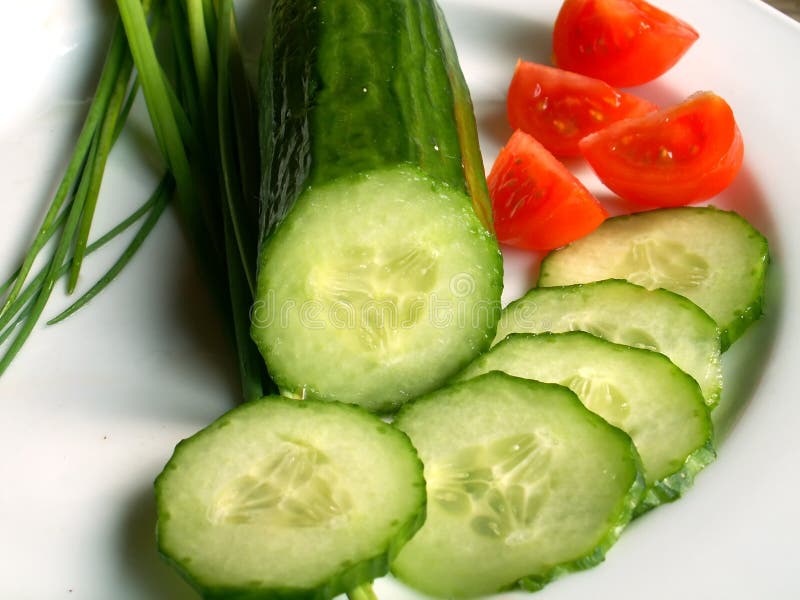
<point x="374" y="240"/>
<point x="287" y="499"/>
<point x="627" y="314"/>
<point x="713" y="257"/>
<point x="637" y="390"/>
<point x="388" y="269"/>
<point x="524" y="484"/>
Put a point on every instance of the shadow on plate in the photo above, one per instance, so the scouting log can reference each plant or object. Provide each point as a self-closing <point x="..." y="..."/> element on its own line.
<point x="145" y="573"/>
<point x="522" y="37"/>
<point x="197" y="312"/>
<point x="744" y="363"/>
<point x="492" y="120"/>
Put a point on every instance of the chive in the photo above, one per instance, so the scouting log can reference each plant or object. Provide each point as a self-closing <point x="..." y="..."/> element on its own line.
<point x="245" y="123"/>
<point x="105" y="139"/>
<point x="205" y="131"/>
<point x="158" y="104"/>
<point x="72" y="208"/>
<point x="362" y="592"/>
<point x="94" y="117"/>
<point x="232" y="190"/>
<point x="208" y="241"/>
<point x="125" y="111"/>
<point x="158" y="203"/>
<point x="47" y="235"/>
<point x="187" y="78"/>
<point x="51" y="274"/>
<point x="28" y="292"/>
<point x="6" y="333"/>
<point x="201" y="53"/>
<point x="19" y="309"/>
<point x="212" y="93"/>
<point x="240" y="241"/>
<point x="118" y="110"/>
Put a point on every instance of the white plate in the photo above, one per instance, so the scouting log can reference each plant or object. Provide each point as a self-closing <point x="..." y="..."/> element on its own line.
<point x="93" y="407"/>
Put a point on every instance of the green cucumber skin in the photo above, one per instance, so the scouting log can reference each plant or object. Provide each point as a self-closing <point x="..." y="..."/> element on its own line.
<point x="357" y="574"/>
<point x="673" y="487"/>
<point x="364" y="572"/>
<point x="342" y="93"/>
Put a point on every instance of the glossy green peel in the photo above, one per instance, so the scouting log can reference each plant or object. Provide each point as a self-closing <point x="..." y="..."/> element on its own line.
<point x="327" y="111"/>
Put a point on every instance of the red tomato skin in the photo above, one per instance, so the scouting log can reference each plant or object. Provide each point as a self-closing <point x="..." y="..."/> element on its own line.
<point x="681" y="155"/>
<point x="623" y="42"/>
<point x="538" y="204"/>
<point x="559" y="107"/>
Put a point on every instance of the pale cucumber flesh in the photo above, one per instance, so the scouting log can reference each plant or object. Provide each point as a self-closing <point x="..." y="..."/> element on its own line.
<point x="288" y="499"/>
<point x="524" y="483"/>
<point x="375" y="289"/>
<point x="713" y="257"/>
<point x="637" y="390"/>
<point x="629" y="314"/>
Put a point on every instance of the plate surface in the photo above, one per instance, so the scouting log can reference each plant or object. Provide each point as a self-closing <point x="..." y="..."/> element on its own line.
<point x="93" y="407"/>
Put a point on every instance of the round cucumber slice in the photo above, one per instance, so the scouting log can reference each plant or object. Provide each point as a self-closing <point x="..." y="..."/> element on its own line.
<point x="282" y="498"/>
<point x="628" y="314"/>
<point x="389" y="269"/>
<point x="713" y="257"/>
<point x="524" y="483"/>
<point x="637" y="390"/>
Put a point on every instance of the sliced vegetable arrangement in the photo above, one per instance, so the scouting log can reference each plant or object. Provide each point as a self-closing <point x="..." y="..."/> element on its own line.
<point x="359" y="264"/>
<point x="675" y="156"/>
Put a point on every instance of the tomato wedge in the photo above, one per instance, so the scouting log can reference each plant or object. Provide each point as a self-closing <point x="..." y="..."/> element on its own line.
<point x="559" y="108"/>
<point x="622" y="42"/>
<point x="538" y="204"/>
<point x="680" y="155"/>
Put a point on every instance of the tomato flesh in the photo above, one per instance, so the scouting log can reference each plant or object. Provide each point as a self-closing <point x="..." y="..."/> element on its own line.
<point x="681" y="155"/>
<point x="538" y="204"/>
<point x="622" y="42"/>
<point x="559" y="108"/>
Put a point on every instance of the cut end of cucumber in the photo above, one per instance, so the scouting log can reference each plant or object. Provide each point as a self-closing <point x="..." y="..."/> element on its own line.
<point x="524" y="484"/>
<point x="375" y="289"/>
<point x="283" y="498"/>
